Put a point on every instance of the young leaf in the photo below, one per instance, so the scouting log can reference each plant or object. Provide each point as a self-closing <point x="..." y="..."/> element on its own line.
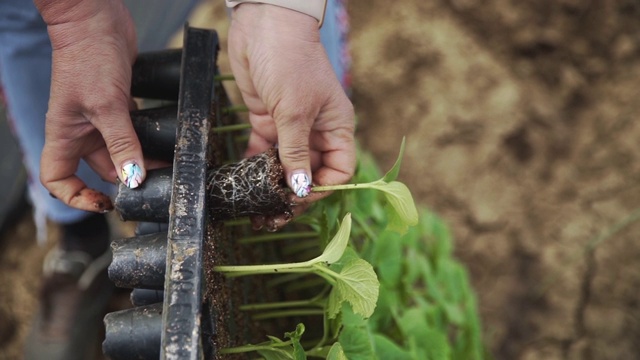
<point x="386" y="349"/>
<point x="356" y="338"/>
<point x="336" y="353"/>
<point x="357" y="343"/>
<point x="350" y="255"/>
<point x="388" y="258"/>
<point x="298" y="351"/>
<point x="401" y="201"/>
<point x="429" y="341"/>
<point x="334" y="303"/>
<point x="392" y="174"/>
<point x="357" y="284"/>
<point x="276" y="354"/>
<point x="333" y="252"/>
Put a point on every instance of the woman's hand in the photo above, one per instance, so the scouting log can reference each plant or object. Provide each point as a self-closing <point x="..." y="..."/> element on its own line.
<point x="294" y="98"/>
<point x="94" y="47"/>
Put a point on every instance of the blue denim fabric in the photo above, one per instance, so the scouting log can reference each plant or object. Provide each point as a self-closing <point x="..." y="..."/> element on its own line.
<point x="25" y="72"/>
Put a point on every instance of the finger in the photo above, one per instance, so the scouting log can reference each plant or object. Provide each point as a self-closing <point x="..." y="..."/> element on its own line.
<point x="335" y="141"/>
<point x="70" y="189"/>
<point x="123" y="146"/>
<point x="257" y="222"/>
<point x="338" y="160"/>
<point x="293" y="150"/>
<point x="257" y="144"/>
<point x="100" y="162"/>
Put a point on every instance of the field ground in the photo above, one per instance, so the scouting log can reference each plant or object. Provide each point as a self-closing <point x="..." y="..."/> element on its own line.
<point x="520" y="118"/>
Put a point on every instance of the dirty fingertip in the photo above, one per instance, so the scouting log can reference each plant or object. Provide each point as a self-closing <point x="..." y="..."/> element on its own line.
<point x="257" y="222"/>
<point x="91" y="200"/>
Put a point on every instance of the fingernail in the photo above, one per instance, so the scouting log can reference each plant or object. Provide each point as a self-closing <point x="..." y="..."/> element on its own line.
<point x="301" y="184"/>
<point x="131" y="175"/>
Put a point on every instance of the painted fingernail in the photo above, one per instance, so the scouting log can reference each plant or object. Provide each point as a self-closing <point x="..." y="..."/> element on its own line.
<point x="301" y="184"/>
<point x="132" y="175"/>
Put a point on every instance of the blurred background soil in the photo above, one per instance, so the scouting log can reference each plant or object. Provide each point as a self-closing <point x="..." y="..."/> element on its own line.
<point x="521" y="128"/>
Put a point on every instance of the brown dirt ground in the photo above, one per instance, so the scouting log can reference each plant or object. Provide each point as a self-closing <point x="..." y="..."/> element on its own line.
<point x="519" y="117"/>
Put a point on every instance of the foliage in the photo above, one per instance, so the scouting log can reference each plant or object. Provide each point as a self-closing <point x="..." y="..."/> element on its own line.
<point x="393" y="289"/>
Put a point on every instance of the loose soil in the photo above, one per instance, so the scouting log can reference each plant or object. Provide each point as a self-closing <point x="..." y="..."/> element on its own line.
<point x="521" y="133"/>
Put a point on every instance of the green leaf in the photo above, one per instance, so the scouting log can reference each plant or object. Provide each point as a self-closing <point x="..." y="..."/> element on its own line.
<point x="276" y="354"/>
<point x="429" y="341"/>
<point x="388" y="258"/>
<point x="349" y="256"/>
<point x="334" y="303"/>
<point x="336" y="352"/>
<point x="367" y="170"/>
<point x="389" y="302"/>
<point x="298" y="350"/>
<point x="454" y="313"/>
<point x="385" y="348"/>
<point x="350" y="318"/>
<point x="438" y="236"/>
<point x="357" y="343"/>
<point x="334" y="250"/>
<point x="325" y="228"/>
<point x="357" y="283"/>
<point x="392" y="174"/>
<point x="404" y="212"/>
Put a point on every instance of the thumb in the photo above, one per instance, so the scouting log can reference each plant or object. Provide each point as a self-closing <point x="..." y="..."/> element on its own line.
<point x="293" y="149"/>
<point x="124" y="147"/>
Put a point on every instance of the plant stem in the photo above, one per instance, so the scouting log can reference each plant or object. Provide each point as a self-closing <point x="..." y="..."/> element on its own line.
<point x="341" y="187"/>
<point x="241" y="138"/>
<point x="326" y="273"/>
<point x="269" y="270"/>
<point x="280" y="304"/>
<point x="235" y="108"/>
<point x="224" y="77"/>
<point x="230" y="128"/>
<point x="248" y="348"/>
<point x="287" y="313"/>
<point x="277" y="236"/>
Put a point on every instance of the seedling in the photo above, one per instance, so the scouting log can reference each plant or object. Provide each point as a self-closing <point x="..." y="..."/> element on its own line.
<point x="382" y="295"/>
<point x="355" y="282"/>
<point x="403" y="212"/>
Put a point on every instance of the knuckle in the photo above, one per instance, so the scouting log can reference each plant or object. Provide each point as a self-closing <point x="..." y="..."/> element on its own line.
<point x="295" y="152"/>
<point x="118" y="143"/>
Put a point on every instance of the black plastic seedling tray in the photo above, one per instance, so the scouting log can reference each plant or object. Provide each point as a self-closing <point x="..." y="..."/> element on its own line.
<point x="179" y="327"/>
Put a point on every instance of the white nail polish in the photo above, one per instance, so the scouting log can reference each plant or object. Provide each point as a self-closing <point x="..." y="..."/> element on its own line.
<point x="131" y="175"/>
<point x="301" y="184"/>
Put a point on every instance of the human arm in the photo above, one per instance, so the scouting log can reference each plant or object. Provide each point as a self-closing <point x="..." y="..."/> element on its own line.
<point x="94" y="47"/>
<point x="293" y="95"/>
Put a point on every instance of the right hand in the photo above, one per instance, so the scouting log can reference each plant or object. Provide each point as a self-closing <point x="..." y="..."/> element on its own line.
<point x="94" y="47"/>
<point x="294" y="99"/>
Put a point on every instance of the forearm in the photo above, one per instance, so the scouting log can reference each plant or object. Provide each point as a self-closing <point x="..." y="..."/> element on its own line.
<point x="63" y="11"/>
<point x="72" y="21"/>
